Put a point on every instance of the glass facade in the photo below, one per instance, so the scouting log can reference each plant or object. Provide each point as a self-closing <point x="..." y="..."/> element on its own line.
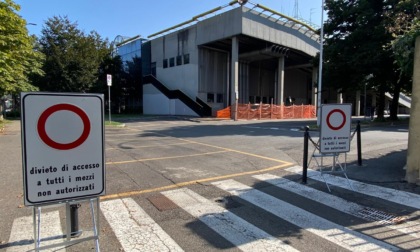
<point x="129" y="51"/>
<point x="130" y="90"/>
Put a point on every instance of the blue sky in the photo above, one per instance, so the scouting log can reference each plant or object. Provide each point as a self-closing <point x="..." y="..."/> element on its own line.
<point x="142" y="17"/>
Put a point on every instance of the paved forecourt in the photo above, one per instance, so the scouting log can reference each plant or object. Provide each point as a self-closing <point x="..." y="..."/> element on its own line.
<point x="146" y="156"/>
<point x="261" y="212"/>
<point x="185" y="186"/>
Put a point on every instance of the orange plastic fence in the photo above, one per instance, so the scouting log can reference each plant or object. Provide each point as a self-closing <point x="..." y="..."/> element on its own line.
<point x="260" y="111"/>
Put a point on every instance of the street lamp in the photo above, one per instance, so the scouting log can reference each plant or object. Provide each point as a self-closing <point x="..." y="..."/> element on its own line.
<point x="320" y="65"/>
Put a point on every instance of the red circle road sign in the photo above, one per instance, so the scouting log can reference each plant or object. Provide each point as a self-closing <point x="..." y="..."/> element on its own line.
<point x="63" y="146"/>
<point x="339" y="126"/>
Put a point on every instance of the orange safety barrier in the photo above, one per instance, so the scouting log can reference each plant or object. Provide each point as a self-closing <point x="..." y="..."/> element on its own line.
<point x="260" y="111"/>
<point x="223" y="113"/>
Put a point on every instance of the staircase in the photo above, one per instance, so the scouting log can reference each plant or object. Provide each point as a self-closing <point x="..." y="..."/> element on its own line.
<point x="403" y="100"/>
<point x="198" y="106"/>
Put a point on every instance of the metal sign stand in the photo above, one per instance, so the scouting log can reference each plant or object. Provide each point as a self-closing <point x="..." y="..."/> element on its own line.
<point x="36" y="213"/>
<point x="336" y="167"/>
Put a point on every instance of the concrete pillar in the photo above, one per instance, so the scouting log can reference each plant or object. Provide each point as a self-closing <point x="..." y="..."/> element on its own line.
<point x="234" y="76"/>
<point x="413" y="157"/>
<point x="357" y="109"/>
<point x="280" y="81"/>
<point x="314" y="95"/>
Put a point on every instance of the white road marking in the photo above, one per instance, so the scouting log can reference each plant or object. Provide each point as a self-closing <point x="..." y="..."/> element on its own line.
<point x="134" y="228"/>
<point x="22" y="233"/>
<point x="239" y="232"/>
<point x="396" y="196"/>
<point x="328" y="230"/>
<point x="411" y="228"/>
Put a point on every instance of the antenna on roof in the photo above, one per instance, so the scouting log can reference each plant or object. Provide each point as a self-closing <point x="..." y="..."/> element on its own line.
<point x="296" y="9"/>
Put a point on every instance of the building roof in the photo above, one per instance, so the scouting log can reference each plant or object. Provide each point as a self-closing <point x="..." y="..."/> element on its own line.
<point x="304" y="27"/>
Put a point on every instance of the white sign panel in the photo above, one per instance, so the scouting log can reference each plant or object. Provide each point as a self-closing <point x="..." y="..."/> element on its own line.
<point x="109" y="80"/>
<point x="335" y="128"/>
<point x="62" y="146"/>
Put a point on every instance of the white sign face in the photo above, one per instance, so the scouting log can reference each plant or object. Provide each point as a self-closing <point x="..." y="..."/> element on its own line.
<point x="109" y="79"/>
<point x="335" y="128"/>
<point x="62" y="146"/>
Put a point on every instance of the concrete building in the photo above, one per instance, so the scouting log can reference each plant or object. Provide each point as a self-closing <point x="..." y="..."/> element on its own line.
<point x="238" y="53"/>
<point x="246" y="53"/>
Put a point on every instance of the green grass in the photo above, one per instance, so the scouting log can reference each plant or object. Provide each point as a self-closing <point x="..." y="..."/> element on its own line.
<point x="113" y="123"/>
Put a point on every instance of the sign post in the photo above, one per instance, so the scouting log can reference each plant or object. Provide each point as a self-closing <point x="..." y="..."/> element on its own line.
<point x="335" y="128"/>
<point x="63" y="155"/>
<point x="109" y="83"/>
<point x="62" y="147"/>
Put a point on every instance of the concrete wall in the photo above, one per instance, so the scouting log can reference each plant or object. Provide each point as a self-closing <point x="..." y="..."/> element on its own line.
<point x="183" y="77"/>
<point x="296" y="85"/>
<point x="225" y="25"/>
<point x="156" y="103"/>
<point x="258" y="26"/>
<point x="249" y="22"/>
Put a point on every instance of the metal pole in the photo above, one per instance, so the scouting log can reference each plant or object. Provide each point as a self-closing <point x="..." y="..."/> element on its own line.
<point x="364" y="103"/>
<point x="109" y="103"/>
<point x="359" y="145"/>
<point x="74" y="217"/>
<point x="305" y="155"/>
<point x="321" y="49"/>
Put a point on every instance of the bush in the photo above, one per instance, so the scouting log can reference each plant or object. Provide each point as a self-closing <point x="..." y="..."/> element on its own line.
<point x="12" y="114"/>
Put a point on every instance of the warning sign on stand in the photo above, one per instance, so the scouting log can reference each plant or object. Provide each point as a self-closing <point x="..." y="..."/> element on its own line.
<point x="62" y="146"/>
<point x="335" y="128"/>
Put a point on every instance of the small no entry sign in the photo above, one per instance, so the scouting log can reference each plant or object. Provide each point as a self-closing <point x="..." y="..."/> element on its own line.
<point x="63" y="146"/>
<point x="341" y="120"/>
<point x="335" y="128"/>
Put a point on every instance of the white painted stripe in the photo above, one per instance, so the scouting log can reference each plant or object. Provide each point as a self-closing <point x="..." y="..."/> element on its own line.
<point x="326" y="229"/>
<point x="411" y="228"/>
<point x="399" y="197"/>
<point x="22" y="233"/>
<point x="134" y="228"/>
<point x="239" y="232"/>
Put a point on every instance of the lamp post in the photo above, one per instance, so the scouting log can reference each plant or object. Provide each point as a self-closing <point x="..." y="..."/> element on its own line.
<point x="320" y="65"/>
<point x="364" y="102"/>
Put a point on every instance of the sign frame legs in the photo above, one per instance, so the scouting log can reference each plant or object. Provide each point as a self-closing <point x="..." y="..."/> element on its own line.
<point x="36" y="214"/>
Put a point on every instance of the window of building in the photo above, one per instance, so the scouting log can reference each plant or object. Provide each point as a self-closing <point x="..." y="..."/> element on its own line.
<point x="165" y="63"/>
<point x="178" y="60"/>
<point x="219" y="98"/>
<point x="187" y="58"/>
<point x="264" y="100"/>
<point x="210" y="97"/>
<point x="171" y="62"/>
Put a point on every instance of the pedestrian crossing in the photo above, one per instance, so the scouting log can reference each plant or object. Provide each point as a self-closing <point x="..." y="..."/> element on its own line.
<point x="272" y="213"/>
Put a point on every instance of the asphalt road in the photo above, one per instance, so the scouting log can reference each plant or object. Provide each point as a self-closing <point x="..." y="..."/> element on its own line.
<point x="153" y="155"/>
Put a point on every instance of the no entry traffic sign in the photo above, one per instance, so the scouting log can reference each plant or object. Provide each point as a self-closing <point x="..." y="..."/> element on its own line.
<point x="62" y="146"/>
<point x="63" y="107"/>
<point x="335" y="128"/>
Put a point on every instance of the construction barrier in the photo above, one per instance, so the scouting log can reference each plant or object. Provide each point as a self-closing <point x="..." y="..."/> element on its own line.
<point x="260" y="111"/>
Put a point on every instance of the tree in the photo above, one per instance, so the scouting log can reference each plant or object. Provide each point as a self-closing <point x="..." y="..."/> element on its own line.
<point x="73" y="58"/>
<point x="126" y="82"/>
<point x="356" y="52"/>
<point x="18" y="59"/>
<point x="114" y="67"/>
<point x="404" y="24"/>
